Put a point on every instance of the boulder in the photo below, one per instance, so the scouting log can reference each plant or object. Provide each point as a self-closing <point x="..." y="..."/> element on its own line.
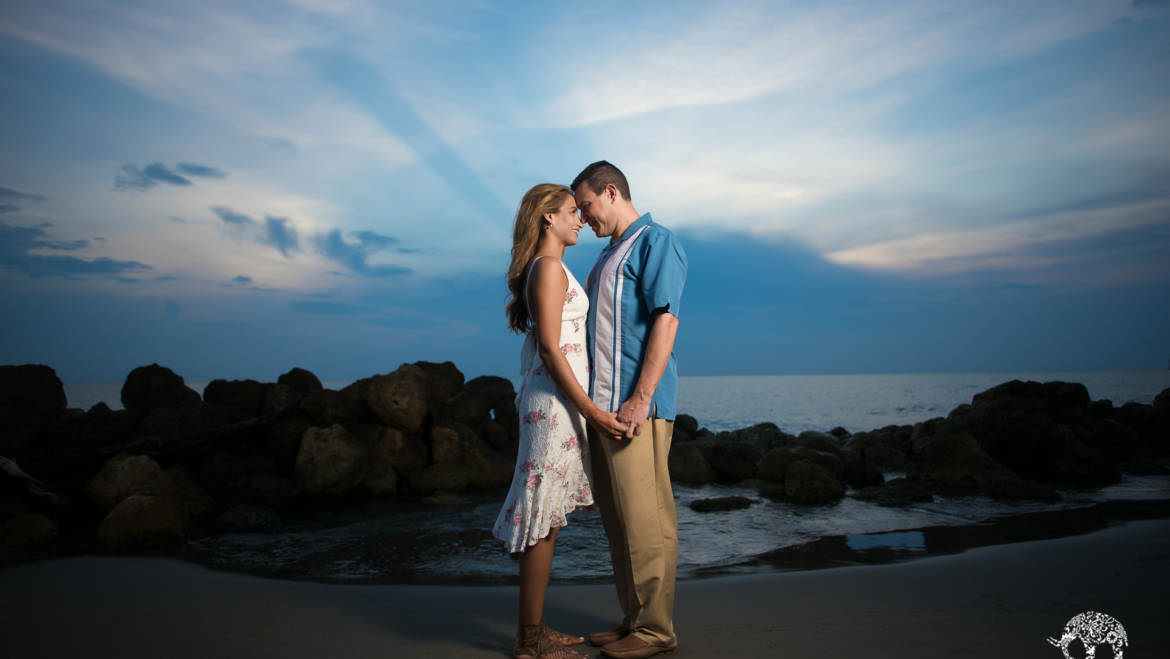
<point x="283" y="436"/>
<point x="885" y="458"/>
<point x="1015" y="431"/>
<point x="859" y="472"/>
<point x="184" y="489"/>
<point x="184" y="418"/>
<point x="98" y="428"/>
<point x="26" y="532"/>
<point x="443" y="380"/>
<point x="262" y="489"/>
<point x="1064" y="396"/>
<point x="31" y="397"/>
<point x="149" y="387"/>
<point x="840" y="433"/>
<point x="242" y="398"/>
<point x="895" y="493"/>
<point x="458" y="445"/>
<point x="688" y="424"/>
<point x="405" y="453"/>
<point x="142" y="522"/>
<point x="687" y="465"/>
<point x="774" y="466"/>
<point x="818" y="441"/>
<point x="956" y="461"/>
<point x="126" y="475"/>
<point x="734" y="461"/>
<point x="763" y="436"/>
<point x="221" y="470"/>
<point x="1074" y="462"/>
<point x="808" y="482"/>
<point x="330" y="461"/>
<point x="399" y="399"/>
<point x="327" y="407"/>
<point x="246" y="519"/>
<point x="719" y="504"/>
<point x="455" y="477"/>
<point x="300" y="381"/>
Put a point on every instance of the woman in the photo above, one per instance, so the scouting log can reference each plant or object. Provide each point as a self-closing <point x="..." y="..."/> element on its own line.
<point x="551" y="477"/>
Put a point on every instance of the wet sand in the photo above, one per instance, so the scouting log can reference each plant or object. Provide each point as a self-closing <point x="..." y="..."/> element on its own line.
<point x="996" y="601"/>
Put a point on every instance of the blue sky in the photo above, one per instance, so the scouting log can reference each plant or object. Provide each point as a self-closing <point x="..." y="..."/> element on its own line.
<point x="232" y="189"/>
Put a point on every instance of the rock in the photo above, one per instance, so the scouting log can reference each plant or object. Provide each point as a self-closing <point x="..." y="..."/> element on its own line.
<point x="443" y="380"/>
<point x="885" y="459"/>
<point x="399" y="399"/>
<point x="458" y="445"/>
<point x="689" y="425"/>
<point x="246" y="519"/>
<point x="243" y="398"/>
<point x="26" y="532"/>
<point x="763" y="436"/>
<point x="184" y="418"/>
<point x="956" y="461"/>
<point x="839" y="432"/>
<point x="1063" y="396"/>
<point x="486" y="399"/>
<point x="330" y="461"/>
<point x="283" y="436"/>
<point x="328" y="407"/>
<point x="222" y="470"/>
<point x="808" y="482"/>
<point x="1119" y="443"/>
<point x="300" y="381"/>
<point x="1015" y="431"/>
<point x="1100" y="409"/>
<point x="455" y="477"/>
<point x="142" y="522"/>
<point x="261" y="489"/>
<point x="687" y="465"/>
<point x="1074" y="462"/>
<point x="149" y="387"/>
<point x="184" y="489"/>
<point x="734" y="461"/>
<point x="1017" y="489"/>
<point x="125" y="475"/>
<point x="31" y="397"/>
<point x="895" y="493"/>
<point x="100" y="427"/>
<point x="774" y="465"/>
<point x="818" y="441"/>
<point x="720" y="503"/>
<point x="405" y="453"/>
<point x="860" y="472"/>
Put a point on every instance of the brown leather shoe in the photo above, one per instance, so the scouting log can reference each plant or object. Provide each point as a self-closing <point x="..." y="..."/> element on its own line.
<point x="615" y="634"/>
<point x="632" y="647"/>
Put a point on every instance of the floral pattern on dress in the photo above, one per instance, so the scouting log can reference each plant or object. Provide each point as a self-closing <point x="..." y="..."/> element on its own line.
<point x="551" y="478"/>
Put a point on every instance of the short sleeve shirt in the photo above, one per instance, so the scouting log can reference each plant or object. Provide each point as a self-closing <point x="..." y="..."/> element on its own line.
<point x="643" y="272"/>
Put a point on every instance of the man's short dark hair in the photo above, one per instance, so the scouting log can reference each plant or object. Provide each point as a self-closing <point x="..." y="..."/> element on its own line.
<point x="600" y="174"/>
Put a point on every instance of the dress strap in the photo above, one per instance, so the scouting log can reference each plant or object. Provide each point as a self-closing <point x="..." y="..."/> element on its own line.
<point x="528" y="280"/>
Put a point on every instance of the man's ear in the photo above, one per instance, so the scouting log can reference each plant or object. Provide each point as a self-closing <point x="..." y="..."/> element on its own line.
<point x="612" y="192"/>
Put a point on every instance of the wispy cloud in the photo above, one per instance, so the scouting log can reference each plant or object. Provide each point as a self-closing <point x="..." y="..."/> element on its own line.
<point x="281" y="235"/>
<point x="355" y="255"/>
<point x="202" y="171"/>
<point x="20" y="249"/>
<point x="16" y="195"/>
<point x="130" y="177"/>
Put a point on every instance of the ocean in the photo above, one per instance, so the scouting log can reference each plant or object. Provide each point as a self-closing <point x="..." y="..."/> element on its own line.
<point x="448" y="541"/>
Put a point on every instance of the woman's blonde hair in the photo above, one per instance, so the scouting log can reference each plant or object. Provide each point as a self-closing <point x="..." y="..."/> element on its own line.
<point x="542" y="198"/>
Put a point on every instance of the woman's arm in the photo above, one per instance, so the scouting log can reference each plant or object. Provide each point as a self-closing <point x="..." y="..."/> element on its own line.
<point x="546" y="292"/>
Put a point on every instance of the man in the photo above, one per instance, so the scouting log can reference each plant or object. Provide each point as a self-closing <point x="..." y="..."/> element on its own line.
<point x="635" y="289"/>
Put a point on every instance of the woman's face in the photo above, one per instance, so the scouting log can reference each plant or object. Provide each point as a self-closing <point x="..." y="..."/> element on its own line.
<point x="565" y="224"/>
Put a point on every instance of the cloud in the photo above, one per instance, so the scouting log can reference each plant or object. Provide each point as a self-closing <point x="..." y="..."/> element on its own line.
<point x="132" y="178"/>
<point x="202" y="171"/>
<point x="325" y="308"/>
<point x="242" y="279"/>
<point x="8" y="208"/>
<point x="166" y="278"/>
<point x="354" y="255"/>
<point x="16" y="243"/>
<point x="281" y="235"/>
<point x="172" y="308"/>
<point x="231" y="217"/>
<point x="9" y="193"/>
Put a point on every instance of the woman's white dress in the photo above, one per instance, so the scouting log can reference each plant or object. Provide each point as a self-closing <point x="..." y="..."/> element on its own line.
<point x="552" y="472"/>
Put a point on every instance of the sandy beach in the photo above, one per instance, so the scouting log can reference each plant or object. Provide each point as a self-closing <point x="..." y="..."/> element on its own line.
<point x="999" y="601"/>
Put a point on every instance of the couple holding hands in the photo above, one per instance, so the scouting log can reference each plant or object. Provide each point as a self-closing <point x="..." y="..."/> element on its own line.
<point x="596" y="405"/>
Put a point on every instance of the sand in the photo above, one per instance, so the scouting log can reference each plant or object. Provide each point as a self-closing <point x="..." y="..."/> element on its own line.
<point x="999" y="601"/>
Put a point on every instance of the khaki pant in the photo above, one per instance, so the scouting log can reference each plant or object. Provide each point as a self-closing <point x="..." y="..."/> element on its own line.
<point x="632" y="489"/>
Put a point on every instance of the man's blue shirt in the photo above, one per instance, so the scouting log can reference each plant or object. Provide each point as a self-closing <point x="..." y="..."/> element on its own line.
<point x="643" y="272"/>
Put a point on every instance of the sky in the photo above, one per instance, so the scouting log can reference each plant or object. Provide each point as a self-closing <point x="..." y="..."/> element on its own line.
<point x="234" y="189"/>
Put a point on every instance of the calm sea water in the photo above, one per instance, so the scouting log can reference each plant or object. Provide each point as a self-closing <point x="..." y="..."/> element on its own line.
<point x="815" y="402"/>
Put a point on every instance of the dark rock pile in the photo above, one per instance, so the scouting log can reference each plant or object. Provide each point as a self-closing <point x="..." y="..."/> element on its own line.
<point x="1018" y="440"/>
<point x="174" y="463"/>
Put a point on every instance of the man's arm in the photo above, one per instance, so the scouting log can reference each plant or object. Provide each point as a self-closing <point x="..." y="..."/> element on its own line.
<point x="636" y="409"/>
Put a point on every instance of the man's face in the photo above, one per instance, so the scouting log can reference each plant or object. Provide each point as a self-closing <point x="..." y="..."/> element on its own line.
<point x="594" y="210"/>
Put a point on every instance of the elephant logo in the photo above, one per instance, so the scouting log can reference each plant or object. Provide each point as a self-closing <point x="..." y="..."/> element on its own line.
<point x="1092" y="629"/>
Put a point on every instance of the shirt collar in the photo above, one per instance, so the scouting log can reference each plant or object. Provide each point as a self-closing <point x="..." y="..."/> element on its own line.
<point x="643" y="220"/>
